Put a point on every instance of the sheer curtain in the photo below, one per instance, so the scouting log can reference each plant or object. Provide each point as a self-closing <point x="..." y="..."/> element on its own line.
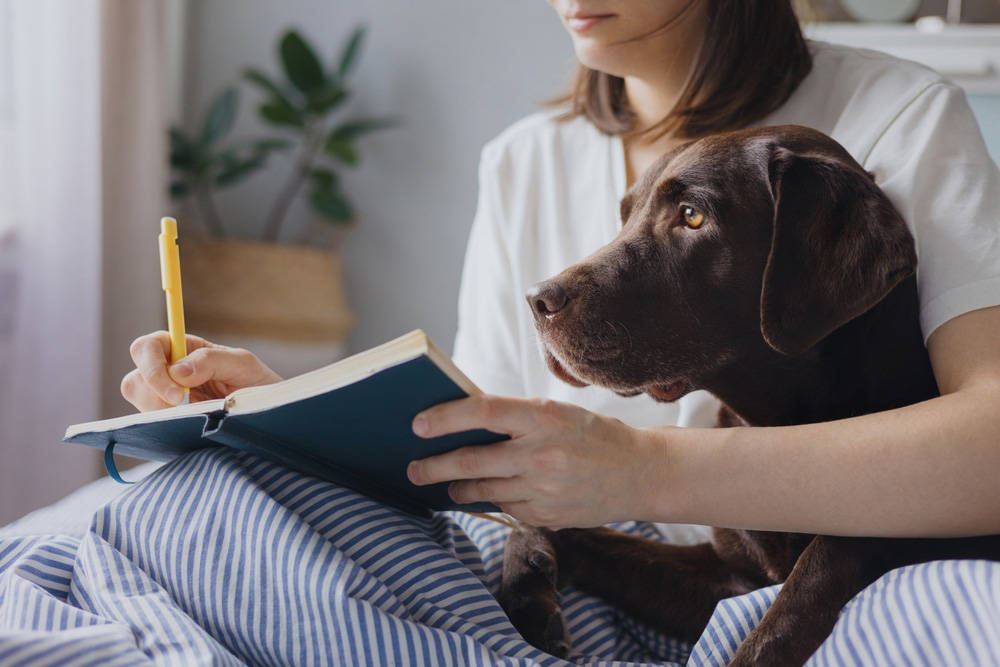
<point x="87" y="161"/>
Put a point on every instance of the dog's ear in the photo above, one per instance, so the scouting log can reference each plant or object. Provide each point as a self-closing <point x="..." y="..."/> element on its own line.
<point x="838" y="247"/>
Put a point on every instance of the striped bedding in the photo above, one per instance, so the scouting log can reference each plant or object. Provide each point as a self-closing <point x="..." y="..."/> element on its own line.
<point x="220" y="558"/>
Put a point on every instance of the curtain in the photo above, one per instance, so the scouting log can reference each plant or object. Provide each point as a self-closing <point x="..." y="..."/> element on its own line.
<point x="134" y="95"/>
<point x="89" y="162"/>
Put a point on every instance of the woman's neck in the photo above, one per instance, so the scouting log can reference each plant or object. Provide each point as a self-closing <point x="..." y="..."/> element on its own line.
<point x="651" y="99"/>
<point x="653" y="88"/>
<point x="650" y="105"/>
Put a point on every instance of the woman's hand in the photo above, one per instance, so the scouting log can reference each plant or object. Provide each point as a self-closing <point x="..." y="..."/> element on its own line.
<point x="563" y="466"/>
<point x="209" y="370"/>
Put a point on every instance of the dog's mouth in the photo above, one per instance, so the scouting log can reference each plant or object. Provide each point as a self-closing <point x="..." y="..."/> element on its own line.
<point x="666" y="392"/>
<point x="557" y="368"/>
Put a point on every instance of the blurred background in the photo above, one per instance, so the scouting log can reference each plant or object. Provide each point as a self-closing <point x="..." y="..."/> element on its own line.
<point x="320" y="157"/>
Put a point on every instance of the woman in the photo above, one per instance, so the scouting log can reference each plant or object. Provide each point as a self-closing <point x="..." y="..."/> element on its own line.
<point x="653" y="75"/>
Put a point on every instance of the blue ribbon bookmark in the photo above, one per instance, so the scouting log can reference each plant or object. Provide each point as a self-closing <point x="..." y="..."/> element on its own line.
<point x="109" y="463"/>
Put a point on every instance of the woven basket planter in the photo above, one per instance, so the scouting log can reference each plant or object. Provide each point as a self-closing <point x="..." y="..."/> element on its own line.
<point x="249" y="289"/>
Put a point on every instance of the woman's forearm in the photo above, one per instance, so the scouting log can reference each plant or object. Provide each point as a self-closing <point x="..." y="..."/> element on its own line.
<point x="926" y="470"/>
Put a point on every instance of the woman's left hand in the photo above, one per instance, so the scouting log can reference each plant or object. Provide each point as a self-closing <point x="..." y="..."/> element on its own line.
<point x="563" y="466"/>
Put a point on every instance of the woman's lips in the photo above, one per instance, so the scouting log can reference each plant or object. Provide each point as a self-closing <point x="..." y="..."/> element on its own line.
<point x="582" y="23"/>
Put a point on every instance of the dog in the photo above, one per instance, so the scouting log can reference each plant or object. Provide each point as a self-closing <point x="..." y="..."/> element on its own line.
<point x="766" y="267"/>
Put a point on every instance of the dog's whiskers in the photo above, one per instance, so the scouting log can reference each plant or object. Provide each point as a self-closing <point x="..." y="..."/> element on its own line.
<point x="502" y="518"/>
<point x="629" y="334"/>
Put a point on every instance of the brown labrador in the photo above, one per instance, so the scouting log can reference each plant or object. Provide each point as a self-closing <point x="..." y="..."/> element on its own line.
<point x="766" y="267"/>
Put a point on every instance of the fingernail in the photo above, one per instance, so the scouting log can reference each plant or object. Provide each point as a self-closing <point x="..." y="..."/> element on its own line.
<point x="174" y="395"/>
<point x="411" y="472"/>
<point x="182" y="369"/>
<point x="420" y="426"/>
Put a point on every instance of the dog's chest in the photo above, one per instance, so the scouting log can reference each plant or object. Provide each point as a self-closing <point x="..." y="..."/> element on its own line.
<point x="761" y="556"/>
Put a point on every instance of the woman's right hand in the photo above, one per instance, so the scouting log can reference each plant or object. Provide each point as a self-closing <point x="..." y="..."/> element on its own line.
<point x="209" y="370"/>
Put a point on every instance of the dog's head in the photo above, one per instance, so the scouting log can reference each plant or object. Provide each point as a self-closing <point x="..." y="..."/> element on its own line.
<point x="760" y="241"/>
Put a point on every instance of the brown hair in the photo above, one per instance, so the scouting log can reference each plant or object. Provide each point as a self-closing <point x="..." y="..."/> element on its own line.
<point x="751" y="59"/>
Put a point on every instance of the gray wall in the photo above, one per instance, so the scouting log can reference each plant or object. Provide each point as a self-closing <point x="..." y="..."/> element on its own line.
<point x="987" y="111"/>
<point x="456" y="71"/>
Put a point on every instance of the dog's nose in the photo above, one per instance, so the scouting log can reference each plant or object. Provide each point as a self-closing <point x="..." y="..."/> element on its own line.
<point x="547" y="298"/>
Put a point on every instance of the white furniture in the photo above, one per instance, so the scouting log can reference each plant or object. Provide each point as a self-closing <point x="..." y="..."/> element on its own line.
<point x="967" y="53"/>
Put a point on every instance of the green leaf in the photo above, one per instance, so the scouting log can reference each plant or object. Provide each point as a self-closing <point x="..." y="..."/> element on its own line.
<point x="341" y="148"/>
<point x="183" y="153"/>
<point x="220" y="116"/>
<point x="269" y="145"/>
<point x="237" y="170"/>
<point x="201" y="168"/>
<point x="179" y="189"/>
<point x="354" y="129"/>
<point x="350" y="55"/>
<point x="275" y="93"/>
<point x="326" y="98"/>
<point x="300" y="63"/>
<point x="324" y="178"/>
<point x="281" y="114"/>
<point x="329" y="203"/>
<point x="265" y="83"/>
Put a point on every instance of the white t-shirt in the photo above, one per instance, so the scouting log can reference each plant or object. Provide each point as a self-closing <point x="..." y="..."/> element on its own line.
<point x="549" y="194"/>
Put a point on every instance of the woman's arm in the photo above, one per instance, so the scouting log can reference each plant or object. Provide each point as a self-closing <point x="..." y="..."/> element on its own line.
<point x="928" y="469"/>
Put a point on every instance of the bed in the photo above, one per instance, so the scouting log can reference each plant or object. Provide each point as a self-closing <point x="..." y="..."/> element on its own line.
<point x="220" y="558"/>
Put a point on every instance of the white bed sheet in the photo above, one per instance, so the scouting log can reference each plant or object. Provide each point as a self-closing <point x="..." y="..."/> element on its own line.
<point x="71" y="515"/>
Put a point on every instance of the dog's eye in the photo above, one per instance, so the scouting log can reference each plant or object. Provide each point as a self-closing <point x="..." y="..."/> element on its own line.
<point x="692" y="218"/>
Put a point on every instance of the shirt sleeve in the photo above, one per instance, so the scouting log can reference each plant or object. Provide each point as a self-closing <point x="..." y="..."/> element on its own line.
<point x="933" y="164"/>
<point x="486" y="347"/>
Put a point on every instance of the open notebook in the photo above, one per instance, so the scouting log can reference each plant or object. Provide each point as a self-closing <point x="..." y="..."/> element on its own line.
<point x="349" y="423"/>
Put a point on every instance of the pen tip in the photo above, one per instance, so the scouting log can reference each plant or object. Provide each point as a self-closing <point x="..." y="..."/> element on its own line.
<point x="168" y="226"/>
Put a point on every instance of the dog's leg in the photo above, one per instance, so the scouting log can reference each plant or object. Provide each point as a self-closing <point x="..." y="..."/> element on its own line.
<point x="529" y="590"/>
<point x="673" y="589"/>
<point x="830" y="572"/>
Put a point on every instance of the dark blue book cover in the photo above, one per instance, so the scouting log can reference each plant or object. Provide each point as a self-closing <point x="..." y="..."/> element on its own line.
<point x="349" y="423"/>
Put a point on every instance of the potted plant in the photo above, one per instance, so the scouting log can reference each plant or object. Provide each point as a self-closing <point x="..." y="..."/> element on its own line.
<point x="273" y="287"/>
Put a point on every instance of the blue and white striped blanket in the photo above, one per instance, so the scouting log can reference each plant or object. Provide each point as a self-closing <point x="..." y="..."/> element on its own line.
<point x="220" y="558"/>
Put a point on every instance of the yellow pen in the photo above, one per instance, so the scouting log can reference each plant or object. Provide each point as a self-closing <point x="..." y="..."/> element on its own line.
<point x="170" y="271"/>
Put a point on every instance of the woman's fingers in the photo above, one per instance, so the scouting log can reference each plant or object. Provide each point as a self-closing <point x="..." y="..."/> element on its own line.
<point x="474" y="462"/>
<point x="232" y="368"/>
<point x="496" y="490"/>
<point x="150" y="354"/>
<point x="494" y="413"/>
<point x="211" y="371"/>
<point x="141" y="395"/>
<point x="507" y="416"/>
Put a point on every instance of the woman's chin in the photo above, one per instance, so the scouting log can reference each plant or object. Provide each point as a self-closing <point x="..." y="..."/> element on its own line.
<point x="596" y="54"/>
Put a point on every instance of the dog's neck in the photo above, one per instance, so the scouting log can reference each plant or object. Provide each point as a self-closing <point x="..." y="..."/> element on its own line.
<point x="875" y="362"/>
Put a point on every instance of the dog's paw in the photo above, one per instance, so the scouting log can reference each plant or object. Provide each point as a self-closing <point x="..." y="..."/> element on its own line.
<point x="529" y="591"/>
